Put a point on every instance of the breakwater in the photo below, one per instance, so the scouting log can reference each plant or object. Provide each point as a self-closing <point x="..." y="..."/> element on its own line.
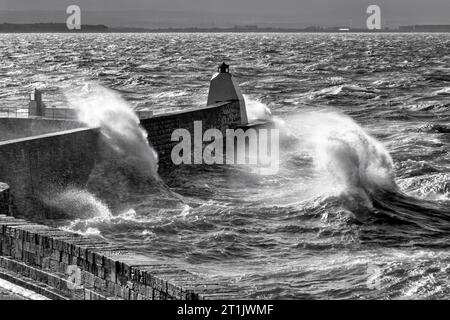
<point x="221" y="116"/>
<point x="42" y="163"/>
<point x="64" y="265"/>
<point x="5" y="199"/>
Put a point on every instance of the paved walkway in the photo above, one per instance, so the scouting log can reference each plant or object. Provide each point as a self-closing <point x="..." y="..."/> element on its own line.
<point x="9" y="295"/>
<point x="10" y="291"/>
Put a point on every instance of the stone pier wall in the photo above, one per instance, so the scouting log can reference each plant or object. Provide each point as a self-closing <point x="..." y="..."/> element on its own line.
<point x="46" y="162"/>
<point x="70" y="266"/>
<point x="221" y="116"/>
<point x="5" y="199"/>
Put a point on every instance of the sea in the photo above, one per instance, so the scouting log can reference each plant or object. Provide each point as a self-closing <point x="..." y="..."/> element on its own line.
<point x="360" y="206"/>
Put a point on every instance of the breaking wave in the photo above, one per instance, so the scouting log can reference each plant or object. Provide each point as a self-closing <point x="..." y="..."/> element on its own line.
<point x="355" y="171"/>
<point x="118" y="123"/>
<point x="126" y="168"/>
<point x="353" y="161"/>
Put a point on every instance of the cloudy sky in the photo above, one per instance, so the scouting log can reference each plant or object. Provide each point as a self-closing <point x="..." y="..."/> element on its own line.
<point x="229" y="12"/>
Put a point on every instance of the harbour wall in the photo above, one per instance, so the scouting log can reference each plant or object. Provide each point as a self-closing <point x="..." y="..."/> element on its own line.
<point x="64" y="265"/>
<point x="221" y="116"/>
<point x="5" y="199"/>
<point x="45" y="163"/>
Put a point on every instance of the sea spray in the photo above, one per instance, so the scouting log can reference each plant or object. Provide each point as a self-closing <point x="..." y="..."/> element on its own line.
<point x="92" y="226"/>
<point x="75" y="203"/>
<point x="100" y="107"/>
<point x="256" y="110"/>
<point x="353" y="161"/>
<point x="126" y="171"/>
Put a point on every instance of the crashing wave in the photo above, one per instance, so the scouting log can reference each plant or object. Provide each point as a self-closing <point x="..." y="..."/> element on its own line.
<point x="352" y="159"/>
<point x="118" y="123"/>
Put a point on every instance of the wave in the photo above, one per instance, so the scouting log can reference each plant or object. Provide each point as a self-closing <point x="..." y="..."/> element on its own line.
<point x="442" y="92"/>
<point x="126" y="170"/>
<point x="432" y="106"/>
<point x="355" y="171"/>
<point x="343" y="90"/>
<point x="118" y="123"/>
<point x="433" y="187"/>
<point x="342" y="150"/>
<point x="434" y="128"/>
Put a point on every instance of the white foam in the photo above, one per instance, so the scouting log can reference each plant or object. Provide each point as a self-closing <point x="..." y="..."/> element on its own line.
<point x="78" y="204"/>
<point x="256" y="110"/>
<point x="119" y="125"/>
<point x="343" y="151"/>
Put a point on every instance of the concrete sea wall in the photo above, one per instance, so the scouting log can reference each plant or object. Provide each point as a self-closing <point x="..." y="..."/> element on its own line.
<point x="64" y="265"/>
<point x="221" y="116"/>
<point x="5" y="199"/>
<point x="44" y="163"/>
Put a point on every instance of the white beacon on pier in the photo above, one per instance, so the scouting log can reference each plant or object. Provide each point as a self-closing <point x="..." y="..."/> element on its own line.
<point x="223" y="88"/>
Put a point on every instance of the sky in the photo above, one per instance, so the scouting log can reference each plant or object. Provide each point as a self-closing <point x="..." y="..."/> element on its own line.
<point x="230" y="12"/>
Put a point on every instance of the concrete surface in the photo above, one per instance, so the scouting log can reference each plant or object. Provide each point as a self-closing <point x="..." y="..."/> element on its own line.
<point x="10" y="291"/>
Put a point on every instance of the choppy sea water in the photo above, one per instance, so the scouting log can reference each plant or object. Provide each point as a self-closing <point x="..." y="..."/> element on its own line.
<point x="360" y="206"/>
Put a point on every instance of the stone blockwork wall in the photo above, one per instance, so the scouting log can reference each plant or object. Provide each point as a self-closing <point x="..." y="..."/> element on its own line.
<point x="45" y="163"/>
<point x="5" y="200"/>
<point x="72" y="266"/>
<point x="220" y="116"/>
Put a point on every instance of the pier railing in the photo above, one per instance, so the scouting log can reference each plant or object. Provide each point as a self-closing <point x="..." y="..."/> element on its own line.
<point x="49" y="113"/>
<point x="13" y="112"/>
<point x="60" y="113"/>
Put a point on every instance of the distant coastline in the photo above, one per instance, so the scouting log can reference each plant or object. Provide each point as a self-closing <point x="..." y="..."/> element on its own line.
<point x="61" y="28"/>
<point x="47" y="27"/>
